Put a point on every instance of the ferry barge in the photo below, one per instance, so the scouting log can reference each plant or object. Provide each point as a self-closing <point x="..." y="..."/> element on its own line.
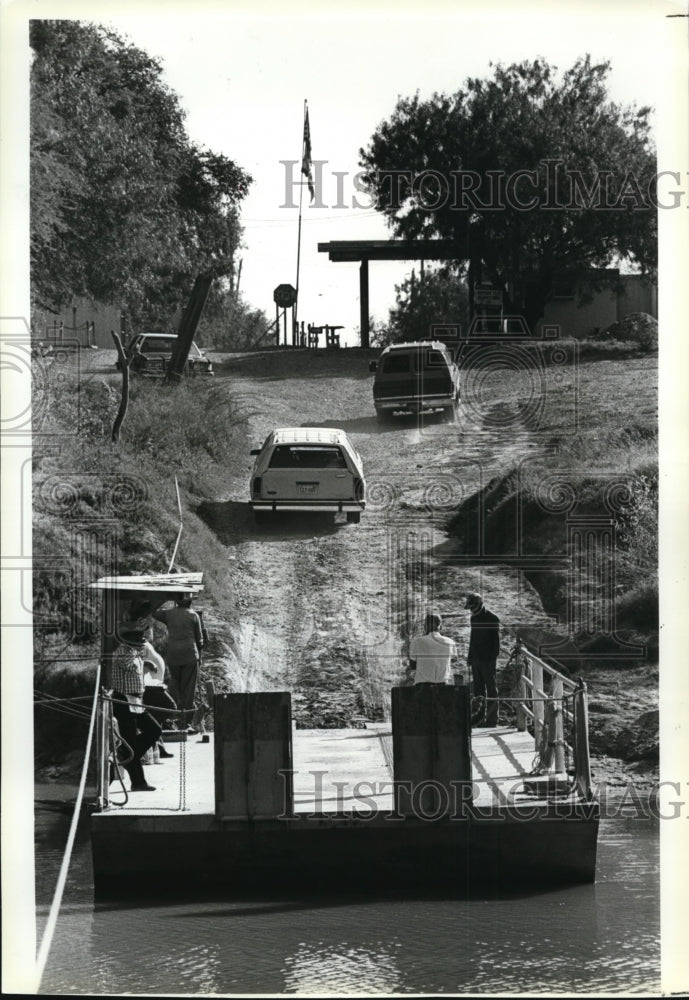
<point x="421" y="802"/>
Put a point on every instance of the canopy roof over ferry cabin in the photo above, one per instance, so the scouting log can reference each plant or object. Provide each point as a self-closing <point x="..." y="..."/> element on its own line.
<point x="129" y="600"/>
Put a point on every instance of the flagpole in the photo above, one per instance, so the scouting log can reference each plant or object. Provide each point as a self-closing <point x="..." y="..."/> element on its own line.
<point x="301" y="194"/>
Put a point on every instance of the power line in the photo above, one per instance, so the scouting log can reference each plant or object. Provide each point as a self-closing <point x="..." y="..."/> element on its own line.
<point x="322" y="218"/>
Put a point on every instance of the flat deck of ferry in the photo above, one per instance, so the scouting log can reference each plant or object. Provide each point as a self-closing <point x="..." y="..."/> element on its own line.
<point x="336" y="771"/>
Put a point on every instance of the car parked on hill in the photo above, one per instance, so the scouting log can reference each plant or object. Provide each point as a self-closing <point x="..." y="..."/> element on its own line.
<point x="307" y="469"/>
<point x="415" y="376"/>
<point x="150" y="354"/>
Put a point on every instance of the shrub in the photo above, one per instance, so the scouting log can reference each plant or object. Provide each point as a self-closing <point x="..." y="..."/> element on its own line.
<point x="638" y="608"/>
<point x="638" y="328"/>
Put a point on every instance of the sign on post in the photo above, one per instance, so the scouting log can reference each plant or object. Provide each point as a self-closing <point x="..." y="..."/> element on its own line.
<point x="285" y="296"/>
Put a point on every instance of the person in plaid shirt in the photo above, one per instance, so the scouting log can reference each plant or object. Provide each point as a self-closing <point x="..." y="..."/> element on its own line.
<point x="137" y="728"/>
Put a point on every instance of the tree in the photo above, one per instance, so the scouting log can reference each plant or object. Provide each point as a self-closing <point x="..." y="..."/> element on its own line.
<point x="437" y="297"/>
<point x="230" y="324"/>
<point x="534" y="179"/>
<point x="124" y="208"/>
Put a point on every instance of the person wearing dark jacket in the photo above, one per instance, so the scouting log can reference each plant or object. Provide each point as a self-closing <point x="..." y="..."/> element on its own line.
<point x="484" y="646"/>
<point x="184" y="645"/>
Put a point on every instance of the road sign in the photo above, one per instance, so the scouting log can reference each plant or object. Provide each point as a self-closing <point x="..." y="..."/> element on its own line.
<point x="285" y="296"/>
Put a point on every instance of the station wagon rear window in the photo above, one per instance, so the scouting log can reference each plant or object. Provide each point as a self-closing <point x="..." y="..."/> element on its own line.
<point x="307" y="456"/>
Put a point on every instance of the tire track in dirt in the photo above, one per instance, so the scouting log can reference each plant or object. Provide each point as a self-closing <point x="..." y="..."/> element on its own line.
<point x="325" y="609"/>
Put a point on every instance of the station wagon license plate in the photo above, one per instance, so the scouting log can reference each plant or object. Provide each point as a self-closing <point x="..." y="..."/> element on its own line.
<point x="308" y="489"/>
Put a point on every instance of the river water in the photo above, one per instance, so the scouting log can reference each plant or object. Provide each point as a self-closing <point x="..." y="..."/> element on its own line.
<point x="601" y="938"/>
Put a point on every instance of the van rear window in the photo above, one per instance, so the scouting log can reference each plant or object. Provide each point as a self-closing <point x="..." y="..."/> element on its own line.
<point x="413" y="361"/>
<point x="396" y="363"/>
<point x="433" y="359"/>
<point x="306" y="456"/>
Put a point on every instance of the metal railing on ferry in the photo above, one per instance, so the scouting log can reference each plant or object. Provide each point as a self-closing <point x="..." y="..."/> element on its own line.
<point x="554" y="709"/>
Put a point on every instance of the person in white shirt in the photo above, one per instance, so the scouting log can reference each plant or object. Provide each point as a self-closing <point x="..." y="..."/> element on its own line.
<point x="156" y="697"/>
<point x="430" y="654"/>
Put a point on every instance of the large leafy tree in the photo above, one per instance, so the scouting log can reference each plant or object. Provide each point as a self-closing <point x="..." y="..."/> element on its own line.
<point x="425" y="301"/>
<point x="533" y="177"/>
<point x="125" y="209"/>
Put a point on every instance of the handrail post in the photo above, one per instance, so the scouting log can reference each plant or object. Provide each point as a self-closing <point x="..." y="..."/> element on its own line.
<point x="538" y="705"/>
<point x="523" y="695"/>
<point x="581" y="741"/>
<point x="558" y="727"/>
<point x="102" y="771"/>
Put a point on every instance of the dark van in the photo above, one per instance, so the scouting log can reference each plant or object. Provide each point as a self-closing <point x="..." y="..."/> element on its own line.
<point x="415" y="376"/>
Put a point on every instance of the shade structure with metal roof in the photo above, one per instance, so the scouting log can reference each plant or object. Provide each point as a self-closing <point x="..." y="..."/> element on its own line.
<point x="366" y="250"/>
<point x="128" y="597"/>
<point x="164" y="583"/>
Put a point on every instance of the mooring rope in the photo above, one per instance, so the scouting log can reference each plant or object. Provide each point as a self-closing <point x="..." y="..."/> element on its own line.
<point x="47" y="939"/>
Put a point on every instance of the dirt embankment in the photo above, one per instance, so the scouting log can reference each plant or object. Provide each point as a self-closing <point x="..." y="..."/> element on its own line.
<point x="325" y="609"/>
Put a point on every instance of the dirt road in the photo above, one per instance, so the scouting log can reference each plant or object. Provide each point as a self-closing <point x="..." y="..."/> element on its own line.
<point x="326" y="609"/>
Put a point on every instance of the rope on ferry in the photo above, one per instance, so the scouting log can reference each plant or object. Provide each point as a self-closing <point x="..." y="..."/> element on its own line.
<point x="47" y="939"/>
<point x="116" y="742"/>
<point x="545" y="748"/>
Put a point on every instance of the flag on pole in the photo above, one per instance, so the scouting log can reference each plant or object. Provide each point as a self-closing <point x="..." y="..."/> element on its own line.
<point x="306" y="156"/>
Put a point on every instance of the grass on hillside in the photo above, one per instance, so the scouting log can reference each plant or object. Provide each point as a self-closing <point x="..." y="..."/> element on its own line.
<point x="608" y="469"/>
<point x="105" y="509"/>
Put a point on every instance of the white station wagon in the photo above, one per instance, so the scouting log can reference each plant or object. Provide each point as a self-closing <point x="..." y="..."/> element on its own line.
<point x="307" y="468"/>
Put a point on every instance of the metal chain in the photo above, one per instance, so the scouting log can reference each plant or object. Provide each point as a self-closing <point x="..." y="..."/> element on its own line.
<point x="115" y="742"/>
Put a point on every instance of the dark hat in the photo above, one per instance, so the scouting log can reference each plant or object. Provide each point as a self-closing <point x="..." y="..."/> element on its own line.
<point x="472" y="602"/>
<point x="132" y="636"/>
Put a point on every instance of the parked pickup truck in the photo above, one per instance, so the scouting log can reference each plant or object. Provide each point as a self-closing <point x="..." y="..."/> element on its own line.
<point x="415" y="376"/>
<point x="307" y="469"/>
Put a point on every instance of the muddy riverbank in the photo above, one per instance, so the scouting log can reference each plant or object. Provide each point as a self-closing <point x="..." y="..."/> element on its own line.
<point x="325" y="609"/>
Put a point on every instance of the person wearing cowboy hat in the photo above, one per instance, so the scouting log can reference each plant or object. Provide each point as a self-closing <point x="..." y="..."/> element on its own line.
<point x="137" y="728"/>
<point x="183" y="653"/>
<point x="484" y="646"/>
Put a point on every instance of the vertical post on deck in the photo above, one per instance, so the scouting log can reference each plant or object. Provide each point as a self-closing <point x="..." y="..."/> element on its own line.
<point x="108" y="642"/>
<point x="277" y="325"/>
<point x="102" y="770"/>
<point x="363" y="303"/>
<point x="558" y="726"/>
<point x="253" y="755"/>
<point x="581" y="741"/>
<point x="523" y="695"/>
<point x="431" y="748"/>
<point x="538" y="704"/>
